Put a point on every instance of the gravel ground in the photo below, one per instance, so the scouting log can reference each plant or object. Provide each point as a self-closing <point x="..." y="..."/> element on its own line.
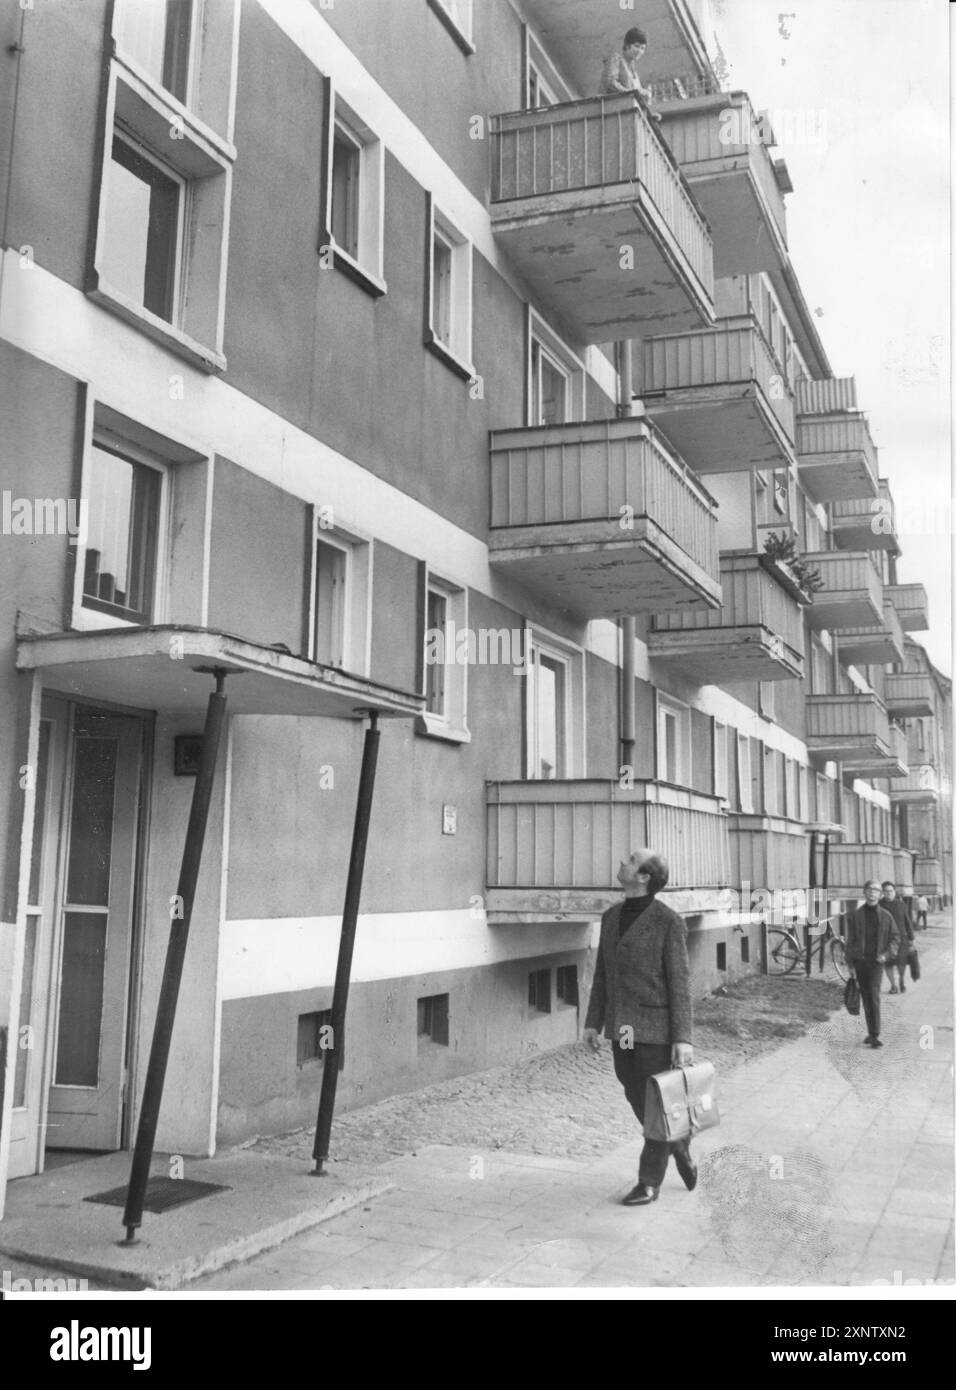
<point x="567" y="1103"/>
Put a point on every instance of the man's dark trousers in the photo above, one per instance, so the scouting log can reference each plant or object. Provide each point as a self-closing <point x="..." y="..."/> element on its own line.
<point x="632" y="1067"/>
<point x="869" y="976"/>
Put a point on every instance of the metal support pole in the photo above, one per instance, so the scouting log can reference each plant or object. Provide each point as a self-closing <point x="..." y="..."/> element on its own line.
<point x="175" y="959"/>
<point x="343" y="970"/>
<point x="825" y="884"/>
<point x="807" y="942"/>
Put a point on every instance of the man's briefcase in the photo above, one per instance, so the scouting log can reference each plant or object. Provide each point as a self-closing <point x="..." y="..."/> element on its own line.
<point x="680" y="1102"/>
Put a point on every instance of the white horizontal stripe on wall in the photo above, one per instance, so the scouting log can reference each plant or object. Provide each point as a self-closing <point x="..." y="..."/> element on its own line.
<point x="304" y="26"/>
<point x="278" y="955"/>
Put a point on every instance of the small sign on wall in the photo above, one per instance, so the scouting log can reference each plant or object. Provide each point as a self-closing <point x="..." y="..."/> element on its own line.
<point x="187" y="750"/>
<point x="449" y="820"/>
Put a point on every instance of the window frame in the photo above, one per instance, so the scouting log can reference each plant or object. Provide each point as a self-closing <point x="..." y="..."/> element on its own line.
<point x="141" y="152"/>
<point x="366" y="266"/>
<point x="745" y="793"/>
<point x="542" y="336"/>
<point x="721" y="760"/>
<point x="462" y="33"/>
<point x="357" y="597"/>
<point x="456" y="353"/>
<point x="452" y="723"/>
<point x="555" y="649"/>
<point x="667" y="707"/>
<point x="210" y="93"/>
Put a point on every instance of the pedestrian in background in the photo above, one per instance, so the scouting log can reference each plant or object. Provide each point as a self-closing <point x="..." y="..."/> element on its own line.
<point x="922" y="908"/>
<point x="871" y="938"/>
<point x="641" y="998"/>
<point x="898" y="910"/>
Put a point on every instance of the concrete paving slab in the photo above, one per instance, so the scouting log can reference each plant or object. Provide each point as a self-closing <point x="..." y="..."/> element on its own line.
<point x="270" y="1200"/>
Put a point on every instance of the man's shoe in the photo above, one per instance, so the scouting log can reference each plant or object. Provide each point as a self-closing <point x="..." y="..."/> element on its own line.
<point x="640" y="1195"/>
<point x="894" y="990"/>
<point x="902" y="989"/>
<point x="875" y="1042"/>
<point x="686" y="1167"/>
<point x="867" y="1041"/>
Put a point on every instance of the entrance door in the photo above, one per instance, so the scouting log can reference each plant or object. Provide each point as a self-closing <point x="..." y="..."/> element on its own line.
<point x="75" y="997"/>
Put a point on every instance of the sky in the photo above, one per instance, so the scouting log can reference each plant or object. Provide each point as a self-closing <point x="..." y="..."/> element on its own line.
<point x="858" y="92"/>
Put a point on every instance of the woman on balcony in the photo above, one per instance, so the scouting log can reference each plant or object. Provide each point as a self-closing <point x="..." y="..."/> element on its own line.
<point x="641" y="998"/>
<point x="620" y="76"/>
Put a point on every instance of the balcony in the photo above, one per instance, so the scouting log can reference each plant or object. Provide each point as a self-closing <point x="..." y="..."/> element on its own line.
<point x="919" y="786"/>
<point x="570" y="186"/>
<point x="909" y="600"/>
<point x="903" y="872"/>
<point x="876" y="646"/>
<point x="928" y="876"/>
<point x="866" y="524"/>
<point x="768" y="852"/>
<point x="852" y="864"/>
<point x="848" y="727"/>
<point x="602" y="519"/>
<point x="720" y="143"/>
<point x="720" y="397"/>
<point x="836" y="454"/>
<point x="891" y="764"/>
<point x="757" y="635"/>
<point x="852" y="593"/>
<point x="554" y="848"/>
<point x="909" y="696"/>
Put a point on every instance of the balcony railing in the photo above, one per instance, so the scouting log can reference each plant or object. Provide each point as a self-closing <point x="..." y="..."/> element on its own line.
<point x="569" y="184"/>
<point x="891" y="764"/>
<point x="602" y="517"/>
<point x="836" y="454"/>
<point x="909" y="696"/>
<point x="852" y="864"/>
<point x="721" y="145"/>
<point x="866" y="523"/>
<point x="911" y="606"/>
<point x="877" y="646"/>
<point x="757" y="634"/>
<point x="847" y="726"/>
<point x="768" y="852"/>
<point x="721" y="398"/>
<point x="921" y="784"/>
<point x="852" y="593"/>
<point x="928" y="875"/>
<point x="554" y="847"/>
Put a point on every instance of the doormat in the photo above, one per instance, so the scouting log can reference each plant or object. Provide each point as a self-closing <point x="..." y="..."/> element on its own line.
<point x="162" y="1194"/>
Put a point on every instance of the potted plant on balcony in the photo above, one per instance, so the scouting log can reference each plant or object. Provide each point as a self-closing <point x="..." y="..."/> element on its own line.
<point x="789" y="569"/>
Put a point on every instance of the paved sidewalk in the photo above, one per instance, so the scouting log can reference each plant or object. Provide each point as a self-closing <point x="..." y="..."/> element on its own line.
<point x="833" y="1165"/>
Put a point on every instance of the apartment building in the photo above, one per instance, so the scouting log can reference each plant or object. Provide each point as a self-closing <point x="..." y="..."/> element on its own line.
<point x="358" y="352"/>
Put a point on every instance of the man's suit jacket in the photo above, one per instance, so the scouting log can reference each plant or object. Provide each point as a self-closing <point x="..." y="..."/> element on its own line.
<point x="642" y="980"/>
<point x="888" y="936"/>
<point x="900" y="913"/>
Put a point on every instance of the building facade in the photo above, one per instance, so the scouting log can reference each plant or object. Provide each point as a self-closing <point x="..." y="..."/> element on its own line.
<point x="359" y="351"/>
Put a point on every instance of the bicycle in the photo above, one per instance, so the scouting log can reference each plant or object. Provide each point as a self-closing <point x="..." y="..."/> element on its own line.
<point x="785" y="951"/>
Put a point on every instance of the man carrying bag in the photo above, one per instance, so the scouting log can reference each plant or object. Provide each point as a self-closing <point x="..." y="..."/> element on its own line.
<point x="872" y="938"/>
<point x="641" y="998"/>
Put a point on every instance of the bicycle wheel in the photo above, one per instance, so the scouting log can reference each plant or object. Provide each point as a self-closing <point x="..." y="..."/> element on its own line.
<point x="783" y="953"/>
<point x="838" y="956"/>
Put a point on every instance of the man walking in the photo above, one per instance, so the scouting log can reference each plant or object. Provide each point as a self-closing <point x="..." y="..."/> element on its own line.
<point x="871" y="939"/>
<point x="922" y="908"/>
<point x="898" y="910"/>
<point x="641" y="998"/>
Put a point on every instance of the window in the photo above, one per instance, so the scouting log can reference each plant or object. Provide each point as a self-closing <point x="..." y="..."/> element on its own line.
<point x="159" y="253"/>
<point x="766" y="699"/>
<point x="157" y="35"/>
<point x="555" y="377"/>
<point x="353" y="199"/>
<point x="673" y="741"/>
<point x="124" y="497"/>
<point x="456" y="16"/>
<point x="448" y="290"/>
<point x="566" y="984"/>
<point x="539" y="991"/>
<point x="721" y="955"/>
<point x="314" y="1037"/>
<point x="142" y="237"/>
<point x="338" y="619"/>
<point x="433" y="1019"/>
<point x="744" y="950"/>
<point x="555" y="703"/>
<point x="445" y="654"/>
<point x="721" y="760"/>
<point x="744" y="781"/>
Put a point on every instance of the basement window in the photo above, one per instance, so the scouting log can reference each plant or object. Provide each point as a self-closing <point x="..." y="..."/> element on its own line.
<point x="721" y="955"/>
<point x="433" y="1019"/>
<point x="539" y="991"/>
<point x="745" y="950"/>
<point x="314" y="1037"/>
<point x="567" y="984"/>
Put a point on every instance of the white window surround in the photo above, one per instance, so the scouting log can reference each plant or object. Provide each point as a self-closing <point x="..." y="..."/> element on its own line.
<point x="563" y="360"/>
<point x="172" y="139"/>
<point x="355" y="615"/>
<point x="456" y="15"/>
<point x="744" y="774"/>
<point x="673" y="740"/>
<point x="721" y="764"/>
<point x="452" y="722"/>
<point x="541" y="73"/>
<point x="569" y="657"/>
<point x="210" y="89"/>
<point x="453" y="345"/>
<point x="367" y="266"/>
